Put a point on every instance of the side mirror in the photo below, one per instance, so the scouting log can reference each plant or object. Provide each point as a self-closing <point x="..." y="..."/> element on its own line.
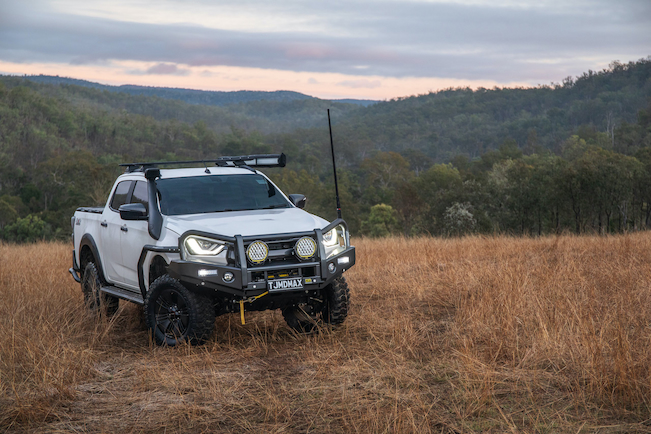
<point x="298" y="200"/>
<point x="133" y="211"/>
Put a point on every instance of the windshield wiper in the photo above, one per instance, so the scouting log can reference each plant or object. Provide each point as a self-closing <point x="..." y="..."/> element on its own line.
<point x="275" y="206"/>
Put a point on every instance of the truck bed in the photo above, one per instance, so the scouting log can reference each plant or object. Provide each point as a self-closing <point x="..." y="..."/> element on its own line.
<point x="91" y="209"/>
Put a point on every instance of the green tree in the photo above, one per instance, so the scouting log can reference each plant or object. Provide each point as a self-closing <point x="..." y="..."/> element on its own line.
<point x="381" y="221"/>
<point x="26" y="230"/>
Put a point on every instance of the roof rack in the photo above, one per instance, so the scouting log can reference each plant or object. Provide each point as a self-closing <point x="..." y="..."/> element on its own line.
<point x="244" y="161"/>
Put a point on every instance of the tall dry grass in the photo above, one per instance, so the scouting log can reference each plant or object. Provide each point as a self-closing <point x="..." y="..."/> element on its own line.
<point x="457" y="335"/>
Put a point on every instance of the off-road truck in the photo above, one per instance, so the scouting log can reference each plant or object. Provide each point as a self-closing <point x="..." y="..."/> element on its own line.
<point x="196" y="242"/>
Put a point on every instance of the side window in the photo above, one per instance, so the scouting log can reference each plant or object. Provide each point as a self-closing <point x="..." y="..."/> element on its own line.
<point x="120" y="195"/>
<point x="140" y="194"/>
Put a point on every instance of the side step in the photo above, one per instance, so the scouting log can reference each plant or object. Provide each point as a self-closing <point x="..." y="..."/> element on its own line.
<point x="124" y="294"/>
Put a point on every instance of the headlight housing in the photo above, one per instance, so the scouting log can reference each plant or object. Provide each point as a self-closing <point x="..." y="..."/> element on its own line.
<point x="196" y="248"/>
<point x="335" y="241"/>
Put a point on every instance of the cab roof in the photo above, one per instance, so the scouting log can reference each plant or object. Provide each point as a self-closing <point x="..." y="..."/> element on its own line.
<point x="195" y="171"/>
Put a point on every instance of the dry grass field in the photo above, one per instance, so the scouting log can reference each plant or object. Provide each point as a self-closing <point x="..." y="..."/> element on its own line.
<point x="446" y="336"/>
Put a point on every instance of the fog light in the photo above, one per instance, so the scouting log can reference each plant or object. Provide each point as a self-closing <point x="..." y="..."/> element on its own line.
<point x="331" y="267"/>
<point x="228" y="276"/>
<point x="343" y="260"/>
<point x="204" y="273"/>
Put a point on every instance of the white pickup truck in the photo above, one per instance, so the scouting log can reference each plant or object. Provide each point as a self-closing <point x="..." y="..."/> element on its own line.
<point x="193" y="243"/>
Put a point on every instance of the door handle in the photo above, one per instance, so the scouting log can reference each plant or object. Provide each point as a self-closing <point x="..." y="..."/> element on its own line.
<point x="104" y="224"/>
<point x="124" y="228"/>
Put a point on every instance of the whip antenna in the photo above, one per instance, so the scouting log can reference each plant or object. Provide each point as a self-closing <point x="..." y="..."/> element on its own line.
<point x="334" y="167"/>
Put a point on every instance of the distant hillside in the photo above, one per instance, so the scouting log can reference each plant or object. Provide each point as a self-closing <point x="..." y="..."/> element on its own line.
<point x="572" y="156"/>
<point x="464" y="121"/>
<point x="263" y="115"/>
<point x="191" y="96"/>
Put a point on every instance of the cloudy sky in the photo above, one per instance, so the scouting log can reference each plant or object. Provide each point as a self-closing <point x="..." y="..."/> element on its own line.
<point x="332" y="49"/>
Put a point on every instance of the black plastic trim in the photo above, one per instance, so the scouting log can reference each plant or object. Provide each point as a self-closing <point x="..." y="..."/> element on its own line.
<point x="141" y="261"/>
<point x="88" y="240"/>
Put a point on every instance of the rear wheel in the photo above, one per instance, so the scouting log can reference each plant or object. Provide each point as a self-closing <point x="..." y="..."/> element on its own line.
<point x="175" y="315"/>
<point x="97" y="301"/>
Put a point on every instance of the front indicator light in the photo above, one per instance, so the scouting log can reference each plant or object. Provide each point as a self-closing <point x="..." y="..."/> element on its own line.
<point x="257" y="252"/>
<point x="204" y="273"/>
<point x="343" y="260"/>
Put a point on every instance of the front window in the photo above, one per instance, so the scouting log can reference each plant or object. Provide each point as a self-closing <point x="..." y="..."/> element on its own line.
<point x="218" y="193"/>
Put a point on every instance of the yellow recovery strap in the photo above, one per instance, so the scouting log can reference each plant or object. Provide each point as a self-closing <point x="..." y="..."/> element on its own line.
<point x="249" y="300"/>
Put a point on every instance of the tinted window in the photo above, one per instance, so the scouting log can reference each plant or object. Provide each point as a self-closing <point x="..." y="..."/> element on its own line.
<point x="120" y="195"/>
<point x="140" y="194"/>
<point x="218" y="193"/>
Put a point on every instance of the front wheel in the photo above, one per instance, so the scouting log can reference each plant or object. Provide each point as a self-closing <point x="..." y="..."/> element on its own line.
<point x="175" y="315"/>
<point x="331" y="309"/>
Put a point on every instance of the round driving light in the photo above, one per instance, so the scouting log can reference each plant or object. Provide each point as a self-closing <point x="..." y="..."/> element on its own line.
<point x="228" y="276"/>
<point x="331" y="267"/>
<point x="257" y="252"/>
<point x="305" y="248"/>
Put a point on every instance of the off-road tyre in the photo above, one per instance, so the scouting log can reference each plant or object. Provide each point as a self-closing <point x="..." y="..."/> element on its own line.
<point x="337" y="297"/>
<point x="306" y="318"/>
<point x="97" y="301"/>
<point x="175" y="314"/>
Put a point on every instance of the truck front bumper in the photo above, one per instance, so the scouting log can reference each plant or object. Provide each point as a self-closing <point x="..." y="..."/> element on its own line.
<point x="251" y="281"/>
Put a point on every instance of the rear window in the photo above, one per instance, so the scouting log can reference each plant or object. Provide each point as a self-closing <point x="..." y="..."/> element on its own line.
<point x="218" y="193"/>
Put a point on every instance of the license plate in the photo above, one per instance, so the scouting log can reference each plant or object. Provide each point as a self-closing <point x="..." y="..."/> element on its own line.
<point x="286" y="284"/>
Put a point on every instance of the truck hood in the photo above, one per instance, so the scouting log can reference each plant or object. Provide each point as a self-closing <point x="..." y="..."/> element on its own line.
<point x="247" y="223"/>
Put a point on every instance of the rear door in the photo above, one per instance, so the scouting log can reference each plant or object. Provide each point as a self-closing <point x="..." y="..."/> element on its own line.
<point x="111" y="229"/>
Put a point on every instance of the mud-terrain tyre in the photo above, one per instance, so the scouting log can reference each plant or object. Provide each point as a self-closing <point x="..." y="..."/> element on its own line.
<point x="305" y="318"/>
<point x="174" y="314"/>
<point x="337" y="297"/>
<point x="95" y="300"/>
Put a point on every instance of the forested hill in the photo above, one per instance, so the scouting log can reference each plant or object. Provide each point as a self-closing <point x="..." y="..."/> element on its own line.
<point x="574" y="156"/>
<point x="191" y="96"/>
<point x="264" y="116"/>
<point x="462" y="121"/>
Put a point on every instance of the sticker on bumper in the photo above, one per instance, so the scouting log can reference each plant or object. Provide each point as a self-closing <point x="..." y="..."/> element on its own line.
<point x="285" y="284"/>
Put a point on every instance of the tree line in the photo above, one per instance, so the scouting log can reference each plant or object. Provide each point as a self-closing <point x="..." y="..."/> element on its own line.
<point x="570" y="164"/>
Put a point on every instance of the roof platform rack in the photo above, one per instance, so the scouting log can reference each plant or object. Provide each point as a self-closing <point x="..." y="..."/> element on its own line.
<point x="244" y="161"/>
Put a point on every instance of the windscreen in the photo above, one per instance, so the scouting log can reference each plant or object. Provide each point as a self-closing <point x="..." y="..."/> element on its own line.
<point x="218" y="193"/>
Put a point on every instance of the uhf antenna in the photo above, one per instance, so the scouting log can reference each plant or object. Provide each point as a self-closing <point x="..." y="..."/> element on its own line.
<point x="334" y="167"/>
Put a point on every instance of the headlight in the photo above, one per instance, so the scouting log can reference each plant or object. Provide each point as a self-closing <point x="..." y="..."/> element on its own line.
<point x="202" y="249"/>
<point x="330" y="238"/>
<point x="335" y="241"/>
<point x="203" y="246"/>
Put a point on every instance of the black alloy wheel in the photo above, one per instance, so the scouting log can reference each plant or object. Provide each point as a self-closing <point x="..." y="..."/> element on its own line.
<point x="175" y="314"/>
<point x="172" y="314"/>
